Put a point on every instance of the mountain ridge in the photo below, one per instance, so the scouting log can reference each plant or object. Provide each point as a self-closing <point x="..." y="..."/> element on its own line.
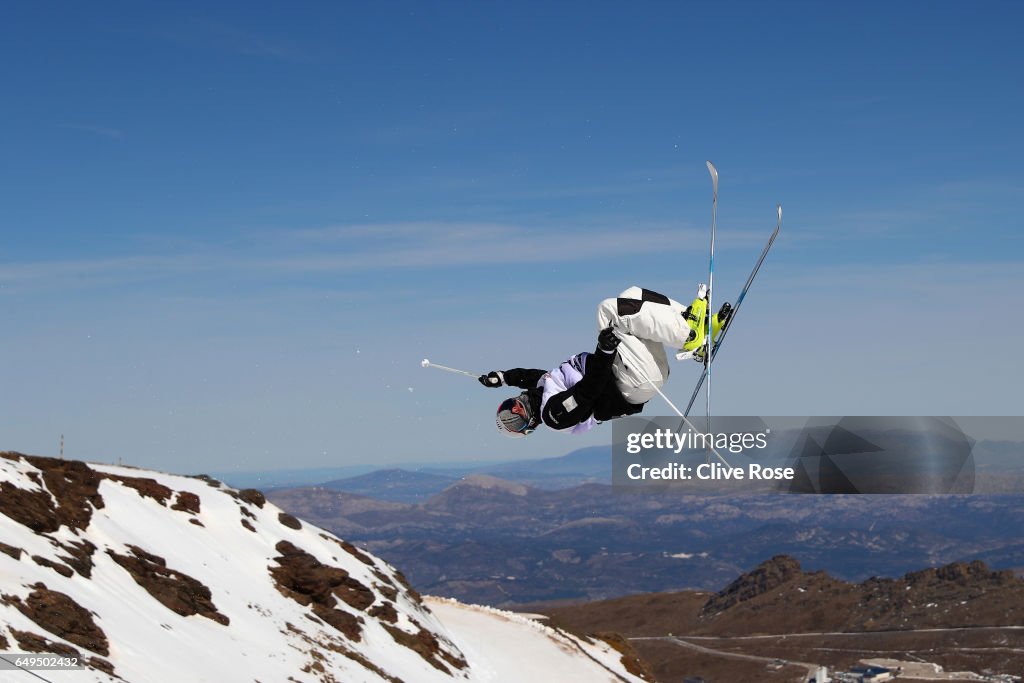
<point x="778" y="595"/>
<point x="146" y="576"/>
<point x="467" y="541"/>
<point x="961" y="616"/>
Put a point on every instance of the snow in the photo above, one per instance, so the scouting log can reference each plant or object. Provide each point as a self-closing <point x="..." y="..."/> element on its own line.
<point x="686" y="556"/>
<point x="270" y="636"/>
<point x="503" y="647"/>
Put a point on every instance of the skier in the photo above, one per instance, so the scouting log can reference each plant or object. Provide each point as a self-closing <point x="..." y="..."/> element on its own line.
<point x="620" y="376"/>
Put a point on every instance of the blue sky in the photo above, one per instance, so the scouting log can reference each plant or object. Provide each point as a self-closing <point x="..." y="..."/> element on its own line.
<point x="231" y="232"/>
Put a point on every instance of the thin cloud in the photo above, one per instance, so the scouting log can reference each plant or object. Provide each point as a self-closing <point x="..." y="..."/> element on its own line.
<point x="436" y="245"/>
<point x="930" y="207"/>
<point x="513" y="247"/>
<point x="360" y="248"/>
<point x="84" y="270"/>
<point x="953" y="284"/>
<point x="102" y="131"/>
<point x="424" y="230"/>
<point x="855" y="225"/>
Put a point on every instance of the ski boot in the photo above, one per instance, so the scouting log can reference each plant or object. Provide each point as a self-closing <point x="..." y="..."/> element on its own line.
<point x="696" y="318"/>
<point x="718" y="322"/>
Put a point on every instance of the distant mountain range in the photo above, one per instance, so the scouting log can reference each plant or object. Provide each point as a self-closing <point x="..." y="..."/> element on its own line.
<point x="495" y="541"/>
<point x="962" y="616"/>
<point x="395" y="485"/>
<point x="999" y="468"/>
<point x="416" y="482"/>
<point x="587" y="465"/>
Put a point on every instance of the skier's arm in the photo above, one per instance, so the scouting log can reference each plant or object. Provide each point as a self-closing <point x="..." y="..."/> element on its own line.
<point x="523" y="378"/>
<point x="516" y="377"/>
<point x="574" y="405"/>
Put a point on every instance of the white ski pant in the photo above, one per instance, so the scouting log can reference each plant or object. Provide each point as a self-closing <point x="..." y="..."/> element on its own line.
<point x="645" y="320"/>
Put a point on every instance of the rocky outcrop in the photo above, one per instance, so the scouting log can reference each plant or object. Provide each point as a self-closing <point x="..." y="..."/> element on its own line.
<point x="148" y="577"/>
<point x="778" y="597"/>
<point x="173" y="589"/>
<point x="62" y="616"/>
<point x="766" y="577"/>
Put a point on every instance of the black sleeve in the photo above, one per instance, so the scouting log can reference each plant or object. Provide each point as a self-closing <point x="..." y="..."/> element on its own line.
<point x="523" y="378"/>
<point x="574" y="405"/>
<point x="599" y="371"/>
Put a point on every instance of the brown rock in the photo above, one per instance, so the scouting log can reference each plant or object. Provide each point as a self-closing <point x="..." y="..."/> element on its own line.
<point x="63" y="617"/>
<point x="74" y="486"/>
<point x="147" y="488"/>
<point x="289" y="521"/>
<point x="426" y="645"/>
<point x="33" y="642"/>
<point x="62" y="569"/>
<point x="409" y="590"/>
<point x="350" y="549"/>
<point x="186" y="502"/>
<point x="253" y="496"/>
<point x="767" y="576"/>
<point x="347" y="624"/>
<point x="175" y="590"/>
<point x="210" y="481"/>
<point x="11" y="550"/>
<point x="385" y="611"/>
<point x="305" y="579"/>
<point x="101" y="664"/>
<point x="79" y="556"/>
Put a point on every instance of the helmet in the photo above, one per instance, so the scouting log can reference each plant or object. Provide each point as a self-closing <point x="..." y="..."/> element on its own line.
<point x="515" y="417"/>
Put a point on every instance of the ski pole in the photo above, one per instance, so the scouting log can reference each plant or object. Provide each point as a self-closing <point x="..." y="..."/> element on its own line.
<point x="427" y="364"/>
<point x="672" y="405"/>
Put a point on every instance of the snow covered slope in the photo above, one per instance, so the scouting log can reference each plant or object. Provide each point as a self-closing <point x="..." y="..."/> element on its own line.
<point x="147" y="576"/>
<point x="503" y="647"/>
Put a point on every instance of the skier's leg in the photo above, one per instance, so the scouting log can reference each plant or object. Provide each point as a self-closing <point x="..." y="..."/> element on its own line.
<point x="639" y="367"/>
<point x="646" y="315"/>
<point x="650" y="320"/>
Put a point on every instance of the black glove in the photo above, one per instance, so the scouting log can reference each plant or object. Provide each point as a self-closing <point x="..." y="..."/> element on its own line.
<point x="607" y="340"/>
<point x="494" y="378"/>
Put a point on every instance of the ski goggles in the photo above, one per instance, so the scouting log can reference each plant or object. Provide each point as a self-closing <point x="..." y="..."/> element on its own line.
<point x="514" y="418"/>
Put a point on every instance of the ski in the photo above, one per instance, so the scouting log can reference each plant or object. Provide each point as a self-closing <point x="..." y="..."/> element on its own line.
<point x="736" y="309"/>
<point x="708" y="355"/>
